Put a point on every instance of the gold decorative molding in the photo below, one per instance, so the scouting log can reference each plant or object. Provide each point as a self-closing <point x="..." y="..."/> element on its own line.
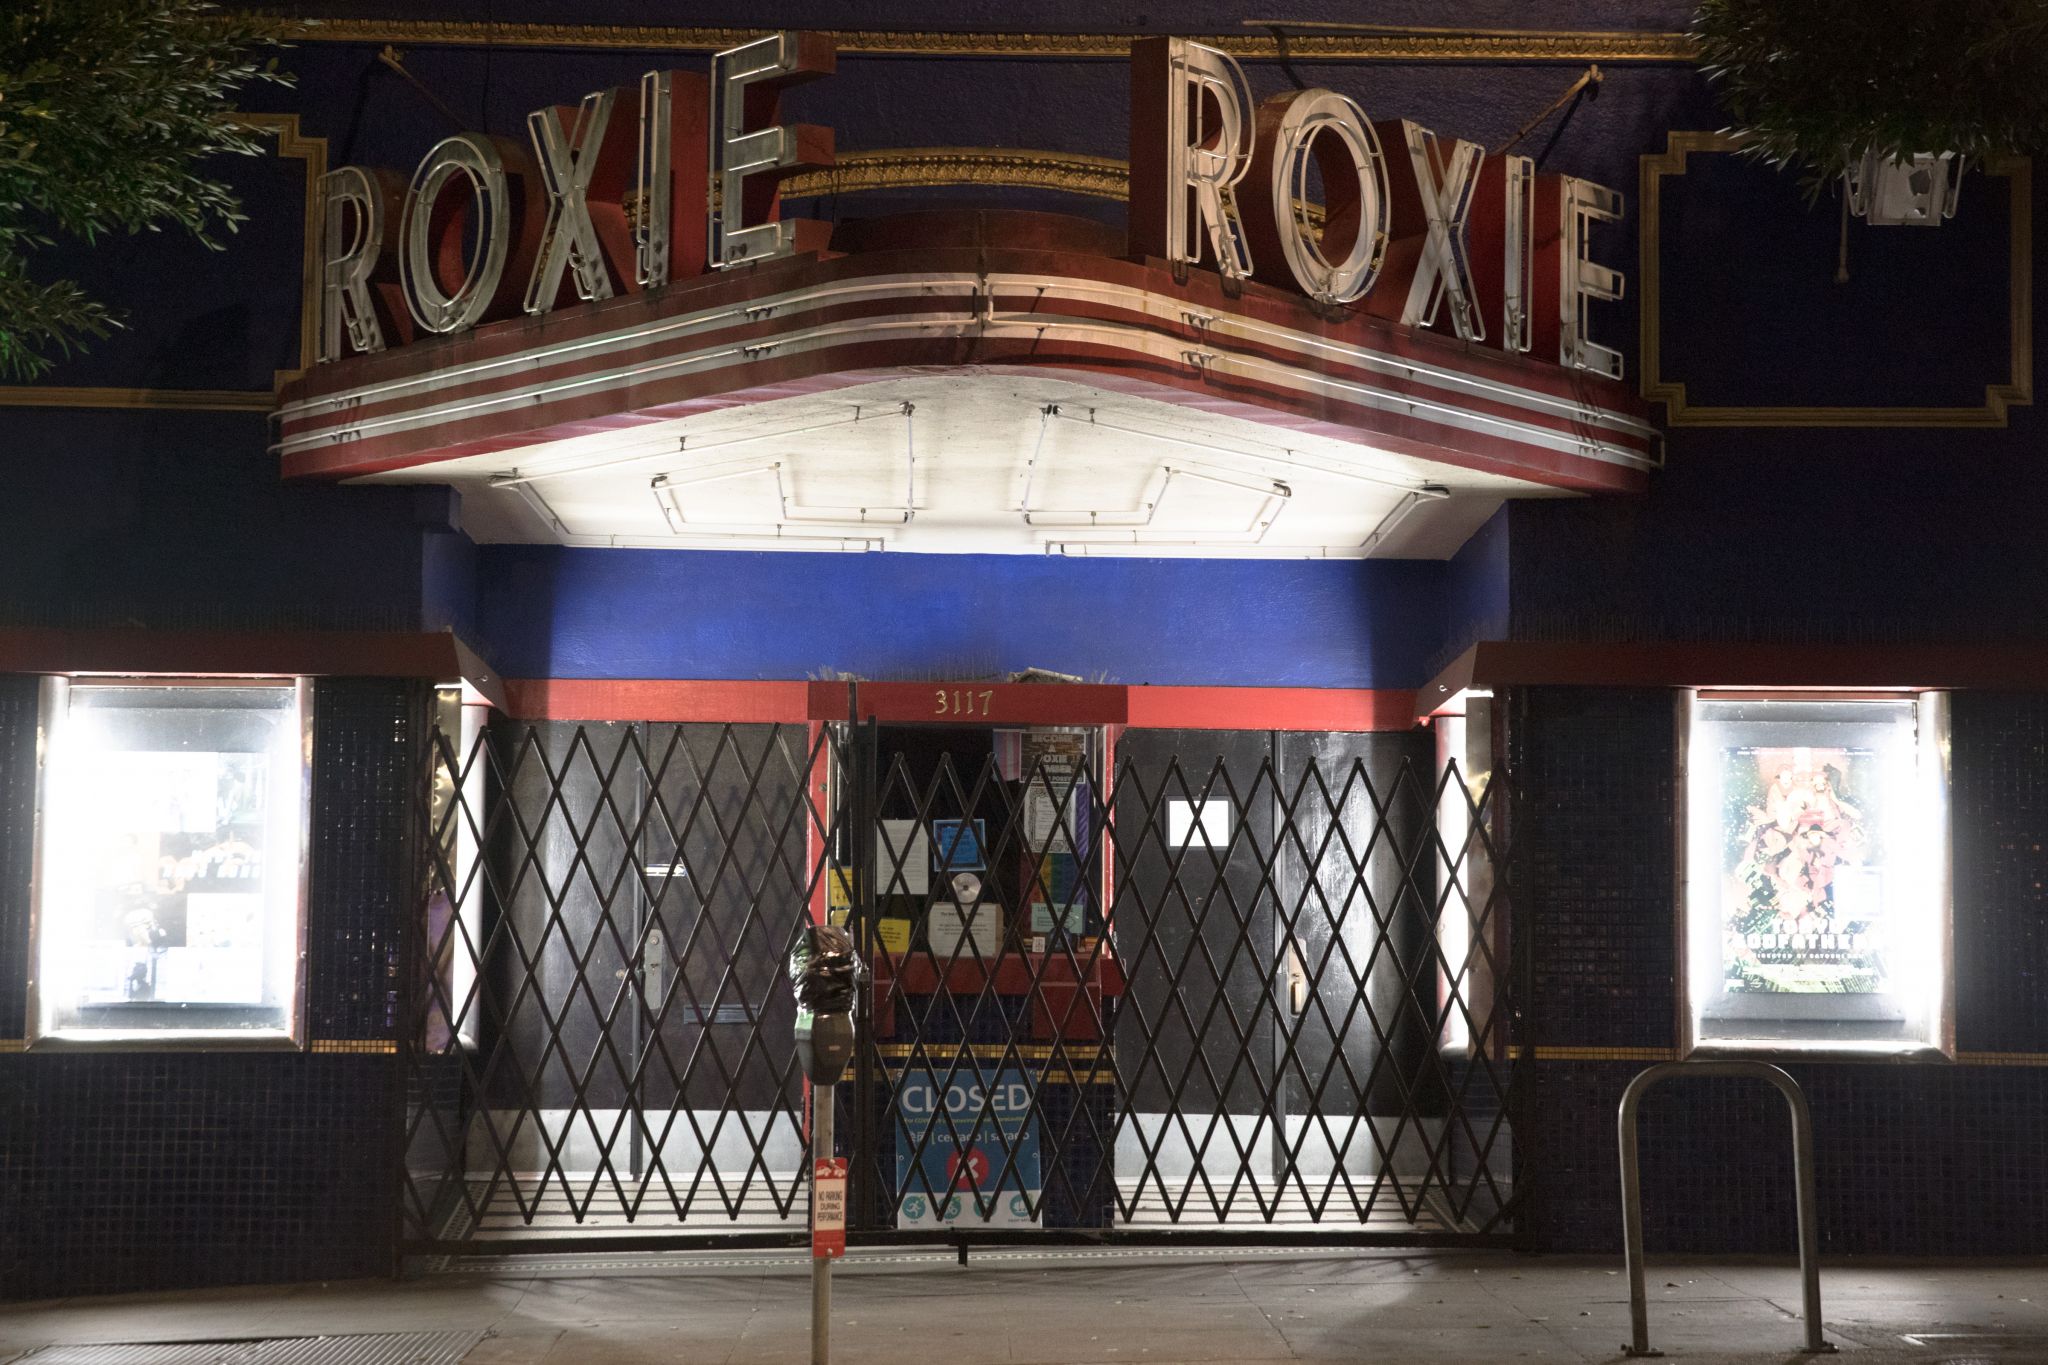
<point x="1666" y="1054"/>
<point x="897" y="168"/>
<point x="292" y="145"/>
<point x="2017" y="388"/>
<point x="1098" y="177"/>
<point x="1379" y="44"/>
<point x="1605" y="1054"/>
<point x="368" y="1046"/>
<point x="187" y="400"/>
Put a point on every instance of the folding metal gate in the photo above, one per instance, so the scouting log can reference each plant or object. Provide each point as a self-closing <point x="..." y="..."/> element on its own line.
<point x="1208" y="985"/>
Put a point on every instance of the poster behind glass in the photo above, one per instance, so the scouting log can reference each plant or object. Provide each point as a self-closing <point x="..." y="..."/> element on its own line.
<point x="1815" y="902"/>
<point x="1805" y="870"/>
<point x="171" y="858"/>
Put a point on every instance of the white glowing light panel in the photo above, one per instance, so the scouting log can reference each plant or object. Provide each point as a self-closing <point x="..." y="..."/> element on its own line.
<point x="1467" y="826"/>
<point x="1198" y="824"/>
<point x="171" y="863"/>
<point x="1816" y="902"/>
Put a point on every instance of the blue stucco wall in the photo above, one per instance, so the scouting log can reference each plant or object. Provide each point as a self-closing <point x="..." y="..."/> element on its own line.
<point x="177" y="520"/>
<point x="549" y="612"/>
<point x="1906" y="536"/>
<point x="1476" y="584"/>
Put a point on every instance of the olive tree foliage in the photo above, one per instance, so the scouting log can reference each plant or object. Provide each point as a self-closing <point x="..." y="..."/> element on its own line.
<point x="1819" y="84"/>
<point x="111" y="112"/>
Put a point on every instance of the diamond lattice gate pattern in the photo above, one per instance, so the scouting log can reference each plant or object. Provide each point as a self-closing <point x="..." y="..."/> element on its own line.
<point x="1124" y="986"/>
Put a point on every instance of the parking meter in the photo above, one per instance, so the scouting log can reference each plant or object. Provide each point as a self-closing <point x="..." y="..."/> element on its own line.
<point x="825" y="973"/>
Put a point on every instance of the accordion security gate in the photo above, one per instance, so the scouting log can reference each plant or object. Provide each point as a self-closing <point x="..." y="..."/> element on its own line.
<point x="1216" y="986"/>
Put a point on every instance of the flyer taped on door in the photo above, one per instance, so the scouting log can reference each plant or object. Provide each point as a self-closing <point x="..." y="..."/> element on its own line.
<point x="903" y="858"/>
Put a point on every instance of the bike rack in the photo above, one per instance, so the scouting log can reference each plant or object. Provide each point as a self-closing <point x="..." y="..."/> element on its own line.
<point x="1632" y="1191"/>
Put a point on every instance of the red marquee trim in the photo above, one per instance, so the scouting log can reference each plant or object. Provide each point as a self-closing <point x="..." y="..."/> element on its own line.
<point x="658" y="699"/>
<point x="963" y="703"/>
<point x="818" y="324"/>
<point x="1706" y="664"/>
<point x="134" y="652"/>
<point x="1272" y="708"/>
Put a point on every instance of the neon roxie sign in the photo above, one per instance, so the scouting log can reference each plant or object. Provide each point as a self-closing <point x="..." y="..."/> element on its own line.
<point x="1416" y="228"/>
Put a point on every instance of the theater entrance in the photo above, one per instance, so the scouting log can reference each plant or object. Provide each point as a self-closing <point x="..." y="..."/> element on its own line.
<point x="1126" y="983"/>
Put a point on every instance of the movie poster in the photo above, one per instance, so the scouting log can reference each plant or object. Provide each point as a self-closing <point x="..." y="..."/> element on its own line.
<point x="174" y="856"/>
<point x="1803" y="870"/>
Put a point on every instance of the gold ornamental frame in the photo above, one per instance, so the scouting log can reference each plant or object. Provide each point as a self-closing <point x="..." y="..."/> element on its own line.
<point x="2016" y="389"/>
<point x="292" y="145"/>
<point x="1256" y="42"/>
<point x="1094" y="177"/>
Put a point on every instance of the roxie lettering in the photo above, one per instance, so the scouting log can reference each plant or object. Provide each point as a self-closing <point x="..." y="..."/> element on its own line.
<point x="1415" y="228"/>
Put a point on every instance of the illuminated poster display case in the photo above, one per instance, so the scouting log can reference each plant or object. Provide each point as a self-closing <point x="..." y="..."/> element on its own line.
<point x="1814" y="912"/>
<point x="170" y="867"/>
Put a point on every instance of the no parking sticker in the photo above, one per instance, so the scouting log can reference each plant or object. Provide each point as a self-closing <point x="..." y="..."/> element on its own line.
<point x="828" y="1208"/>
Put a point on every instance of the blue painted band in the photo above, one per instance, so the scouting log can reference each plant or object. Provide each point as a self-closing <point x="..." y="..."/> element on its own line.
<point x="574" y="613"/>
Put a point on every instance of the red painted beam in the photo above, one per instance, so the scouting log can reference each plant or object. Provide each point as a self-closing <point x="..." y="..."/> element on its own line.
<point x="1913" y="667"/>
<point x="658" y="699"/>
<point x="971" y="703"/>
<point x="435" y="656"/>
<point x="1272" y="708"/>
<point x="964" y="703"/>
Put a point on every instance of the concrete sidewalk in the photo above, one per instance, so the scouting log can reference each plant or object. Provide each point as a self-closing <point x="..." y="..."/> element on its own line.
<point x="1018" y="1307"/>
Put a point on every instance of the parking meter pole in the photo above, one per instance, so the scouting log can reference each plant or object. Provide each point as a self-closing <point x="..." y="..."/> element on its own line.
<point x="821" y="1266"/>
<point x="826" y="973"/>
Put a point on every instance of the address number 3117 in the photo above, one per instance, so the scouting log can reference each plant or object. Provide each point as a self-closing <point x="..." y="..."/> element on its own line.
<point x="962" y="701"/>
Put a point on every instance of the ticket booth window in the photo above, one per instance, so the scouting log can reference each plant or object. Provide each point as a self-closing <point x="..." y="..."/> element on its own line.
<point x="170" y="875"/>
<point x="1815" y="906"/>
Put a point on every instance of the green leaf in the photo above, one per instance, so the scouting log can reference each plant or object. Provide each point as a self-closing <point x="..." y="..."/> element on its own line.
<point x="129" y="100"/>
<point x="1819" y="84"/>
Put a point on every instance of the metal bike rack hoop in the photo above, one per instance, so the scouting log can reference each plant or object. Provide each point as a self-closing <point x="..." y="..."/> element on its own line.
<point x="1632" y="1191"/>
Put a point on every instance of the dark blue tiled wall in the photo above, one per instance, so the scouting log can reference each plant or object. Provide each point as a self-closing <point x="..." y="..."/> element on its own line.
<point x="169" y="1170"/>
<point x="2000" y="748"/>
<point x="363" y="753"/>
<point x="1594" y="773"/>
<point x="178" y="521"/>
<point x="152" y="1170"/>
<point x="1922" y="1159"/>
<point x="18" y="702"/>
<point x="1909" y="1161"/>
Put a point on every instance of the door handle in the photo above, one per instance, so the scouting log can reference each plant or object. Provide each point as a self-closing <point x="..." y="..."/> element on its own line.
<point x="653" y="962"/>
<point x="1297" y="979"/>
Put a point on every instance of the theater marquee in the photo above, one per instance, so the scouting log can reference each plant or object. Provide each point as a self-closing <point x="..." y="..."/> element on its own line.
<point x="601" y="203"/>
<point x="512" y="307"/>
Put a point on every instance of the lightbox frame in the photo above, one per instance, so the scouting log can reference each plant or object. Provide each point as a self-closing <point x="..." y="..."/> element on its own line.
<point x="1932" y="747"/>
<point x="53" y="705"/>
